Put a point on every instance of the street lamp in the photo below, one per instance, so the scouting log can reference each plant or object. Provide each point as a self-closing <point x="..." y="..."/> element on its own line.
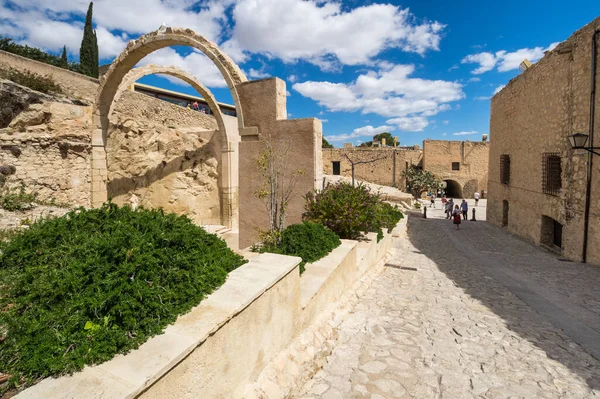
<point x="578" y="142"/>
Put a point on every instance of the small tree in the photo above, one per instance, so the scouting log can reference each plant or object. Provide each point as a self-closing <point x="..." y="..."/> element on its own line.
<point x="88" y="54"/>
<point x="389" y="139"/>
<point x="419" y="180"/>
<point x="326" y="143"/>
<point x="278" y="187"/>
<point x="64" y="61"/>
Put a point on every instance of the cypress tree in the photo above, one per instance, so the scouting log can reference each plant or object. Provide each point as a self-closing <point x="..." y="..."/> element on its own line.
<point x="64" y="61"/>
<point x="89" y="46"/>
<point x="96" y="60"/>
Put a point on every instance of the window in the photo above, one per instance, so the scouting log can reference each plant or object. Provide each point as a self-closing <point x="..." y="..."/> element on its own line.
<point x="551" y="173"/>
<point x="455" y="165"/>
<point x="504" y="169"/>
<point x="336" y="168"/>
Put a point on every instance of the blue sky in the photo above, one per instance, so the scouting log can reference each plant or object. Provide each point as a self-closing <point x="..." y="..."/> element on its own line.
<point x="419" y="69"/>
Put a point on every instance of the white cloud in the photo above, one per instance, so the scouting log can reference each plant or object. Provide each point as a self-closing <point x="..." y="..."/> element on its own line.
<point x="257" y="74"/>
<point x="48" y="23"/>
<point x="486" y="61"/>
<point x="292" y="78"/>
<point x="323" y="33"/>
<point x="365" y="131"/>
<point x="324" y="120"/>
<point x="445" y="122"/>
<point x="195" y="63"/>
<point x="389" y="93"/>
<point x="410" y="124"/>
<point x="503" y="60"/>
<point x="499" y="88"/>
<point x="464" y="133"/>
<point x="475" y="79"/>
<point x="287" y="93"/>
<point x="444" y="134"/>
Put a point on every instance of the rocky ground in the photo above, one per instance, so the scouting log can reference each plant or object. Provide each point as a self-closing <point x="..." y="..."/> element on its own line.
<point x="17" y="220"/>
<point x="446" y="326"/>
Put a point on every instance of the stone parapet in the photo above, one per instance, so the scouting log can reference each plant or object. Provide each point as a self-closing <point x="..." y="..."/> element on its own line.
<point x="241" y="340"/>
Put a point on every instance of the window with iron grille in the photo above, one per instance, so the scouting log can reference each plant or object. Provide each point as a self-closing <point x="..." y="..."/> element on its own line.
<point x="551" y="173"/>
<point x="505" y="169"/>
<point x="455" y="165"/>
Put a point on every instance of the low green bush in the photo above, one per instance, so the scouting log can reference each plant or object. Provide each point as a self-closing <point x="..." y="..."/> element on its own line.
<point x="43" y="84"/>
<point x="16" y="199"/>
<point x="389" y="215"/>
<point x="310" y="241"/>
<point x="346" y="210"/>
<point x="79" y="289"/>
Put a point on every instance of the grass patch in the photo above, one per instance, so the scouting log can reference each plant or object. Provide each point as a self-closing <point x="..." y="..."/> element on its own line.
<point x="310" y="241"/>
<point x="43" y="84"/>
<point x="79" y="289"/>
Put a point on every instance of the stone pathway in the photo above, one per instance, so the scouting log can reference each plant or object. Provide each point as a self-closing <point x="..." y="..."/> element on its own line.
<point x="452" y="329"/>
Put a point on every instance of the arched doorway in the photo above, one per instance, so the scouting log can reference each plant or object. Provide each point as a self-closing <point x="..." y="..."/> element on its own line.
<point x="453" y="189"/>
<point x="111" y="83"/>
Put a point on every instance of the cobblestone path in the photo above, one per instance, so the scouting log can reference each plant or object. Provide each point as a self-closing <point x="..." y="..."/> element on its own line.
<point x="452" y="329"/>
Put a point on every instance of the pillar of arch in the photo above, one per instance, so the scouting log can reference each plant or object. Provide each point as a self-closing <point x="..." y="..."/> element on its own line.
<point x="115" y="81"/>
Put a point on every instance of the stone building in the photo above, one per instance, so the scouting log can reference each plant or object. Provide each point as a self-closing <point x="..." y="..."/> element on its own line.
<point x="463" y="165"/>
<point x="537" y="183"/>
<point x="373" y="164"/>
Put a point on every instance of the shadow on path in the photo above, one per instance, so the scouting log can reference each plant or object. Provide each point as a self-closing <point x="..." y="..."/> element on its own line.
<point x="512" y="277"/>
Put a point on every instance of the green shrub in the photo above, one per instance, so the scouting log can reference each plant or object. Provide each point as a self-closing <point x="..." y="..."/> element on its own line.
<point x="348" y="211"/>
<point x="389" y="215"/>
<point x="8" y="45"/>
<point x="16" y="199"/>
<point x="310" y="241"/>
<point x="81" y="288"/>
<point x="43" y="84"/>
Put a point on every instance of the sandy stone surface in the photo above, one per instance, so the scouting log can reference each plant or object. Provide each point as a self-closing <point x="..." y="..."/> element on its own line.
<point x="450" y="330"/>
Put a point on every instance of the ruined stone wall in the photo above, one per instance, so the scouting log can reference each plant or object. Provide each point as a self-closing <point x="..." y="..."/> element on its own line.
<point x="50" y="147"/>
<point x="473" y="159"/>
<point x="534" y="114"/>
<point x="76" y="85"/>
<point x="161" y="167"/>
<point x="381" y="171"/>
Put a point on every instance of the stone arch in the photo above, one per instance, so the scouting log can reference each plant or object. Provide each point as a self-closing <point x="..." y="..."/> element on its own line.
<point x="135" y="51"/>
<point x="225" y="137"/>
<point x="453" y="189"/>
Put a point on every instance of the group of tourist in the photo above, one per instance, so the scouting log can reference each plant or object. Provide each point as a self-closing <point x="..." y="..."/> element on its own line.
<point x="454" y="211"/>
<point x="196" y="107"/>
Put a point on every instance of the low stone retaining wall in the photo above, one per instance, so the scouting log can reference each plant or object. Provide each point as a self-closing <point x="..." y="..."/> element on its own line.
<point x="222" y="347"/>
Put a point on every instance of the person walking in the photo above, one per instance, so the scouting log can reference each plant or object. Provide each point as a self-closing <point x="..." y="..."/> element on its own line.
<point x="195" y="105"/>
<point x="456" y="217"/>
<point x="444" y="202"/>
<point x="464" y="208"/>
<point x="449" y="208"/>
<point x="432" y="200"/>
<point x="476" y="196"/>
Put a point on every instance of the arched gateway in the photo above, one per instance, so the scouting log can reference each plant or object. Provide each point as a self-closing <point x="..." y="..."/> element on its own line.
<point x="261" y="115"/>
<point x="120" y="75"/>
